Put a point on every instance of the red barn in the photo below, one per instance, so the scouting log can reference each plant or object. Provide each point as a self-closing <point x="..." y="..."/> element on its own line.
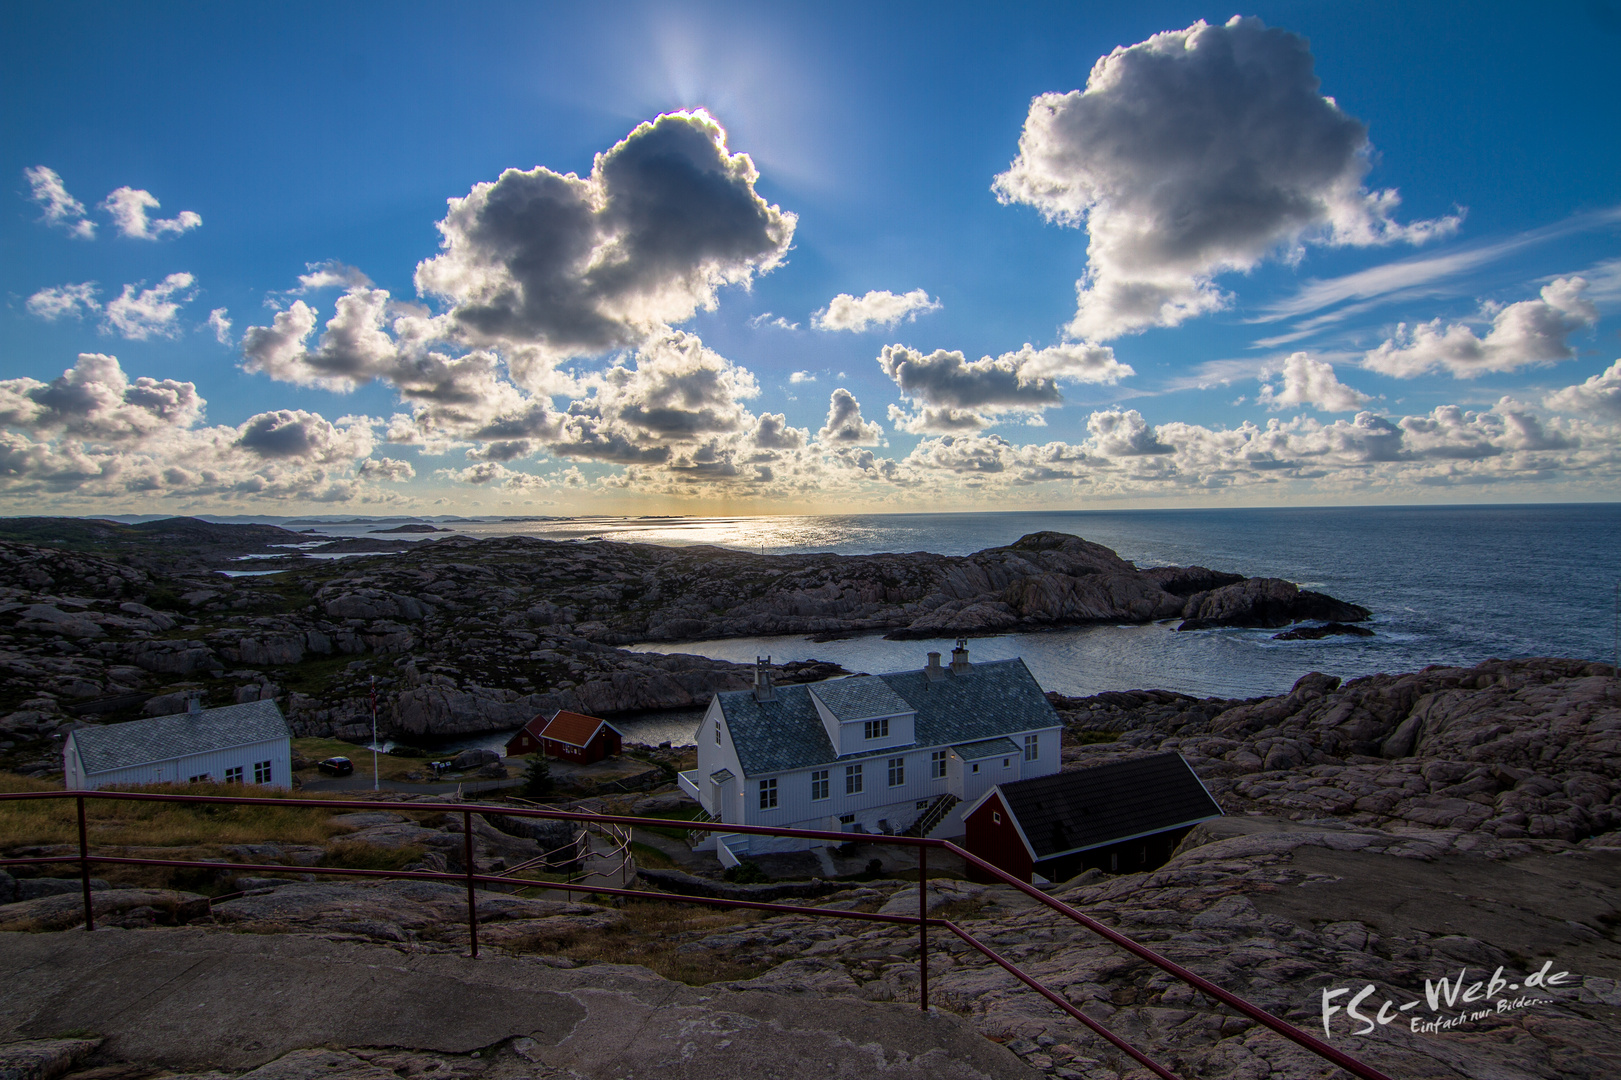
<point x="567" y="736"/>
<point x="1124" y="817"/>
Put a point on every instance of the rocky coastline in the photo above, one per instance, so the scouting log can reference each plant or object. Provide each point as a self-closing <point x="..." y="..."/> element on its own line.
<point x="466" y="635"/>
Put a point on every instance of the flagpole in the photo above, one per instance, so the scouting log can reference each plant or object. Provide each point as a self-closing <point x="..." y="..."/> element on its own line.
<point x="376" y="784"/>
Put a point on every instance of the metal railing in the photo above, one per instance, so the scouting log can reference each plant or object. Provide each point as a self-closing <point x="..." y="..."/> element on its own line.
<point x="472" y="879"/>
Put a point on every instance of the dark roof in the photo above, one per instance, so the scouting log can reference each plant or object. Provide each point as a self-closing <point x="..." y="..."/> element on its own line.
<point x="987" y="701"/>
<point x="574" y="729"/>
<point x="164" y="738"/>
<point x="988" y="748"/>
<point x="1087" y="808"/>
<point x="860" y="697"/>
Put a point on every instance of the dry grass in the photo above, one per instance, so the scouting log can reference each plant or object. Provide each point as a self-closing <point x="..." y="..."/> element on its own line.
<point x="651" y="935"/>
<point x="359" y="855"/>
<point x="389" y="767"/>
<point x="116" y="822"/>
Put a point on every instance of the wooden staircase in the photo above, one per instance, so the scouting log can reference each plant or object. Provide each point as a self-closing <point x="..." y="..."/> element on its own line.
<point x="934" y="815"/>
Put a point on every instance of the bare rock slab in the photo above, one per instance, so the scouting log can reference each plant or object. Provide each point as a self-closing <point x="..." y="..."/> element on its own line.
<point x="191" y="999"/>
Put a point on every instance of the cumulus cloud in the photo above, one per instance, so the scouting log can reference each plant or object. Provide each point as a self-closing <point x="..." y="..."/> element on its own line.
<point x="65" y="301"/>
<point x="150" y="312"/>
<point x="1599" y="395"/>
<point x="1524" y="334"/>
<point x="1196" y="152"/>
<point x="221" y="325"/>
<point x="58" y="207"/>
<point x="330" y="274"/>
<point x="96" y="433"/>
<point x="1311" y="383"/>
<point x="878" y="308"/>
<point x="799" y="377"/>
<point x="765" y="318"/>
<point x="128" y="208"/>
<point x="952" y="393"/>
<point x="845" y="425"/>
<point x="577" y="267"/>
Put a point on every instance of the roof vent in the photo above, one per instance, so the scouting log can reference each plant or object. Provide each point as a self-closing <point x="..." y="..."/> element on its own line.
<point x="763" y="690"/>
<point x="959" y="656"/>
<point x="934" y="671"/>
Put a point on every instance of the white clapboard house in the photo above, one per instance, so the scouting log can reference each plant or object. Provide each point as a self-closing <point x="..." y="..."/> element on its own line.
<point x="247" y="744"/>
<point x="883" y="754"/>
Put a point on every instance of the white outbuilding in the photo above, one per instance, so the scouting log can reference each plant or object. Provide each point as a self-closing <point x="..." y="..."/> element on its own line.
<point x="247" y="744"/>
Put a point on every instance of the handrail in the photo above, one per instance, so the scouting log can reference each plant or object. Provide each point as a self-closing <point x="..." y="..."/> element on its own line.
<point x="471" y="878"/>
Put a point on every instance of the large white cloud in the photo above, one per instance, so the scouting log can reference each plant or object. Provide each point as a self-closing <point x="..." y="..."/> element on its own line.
<point x="876" y="308"/>
<point x="953" y="393"/>
<point x="128" y="208"/>
<point x="154" y="312"/>
<point x="1311" y="382"/>
<point x="845" y="425"/>
<point x="58" y="207"/>
<point x="1196" y="152"/>
<point x="95" y="433"/>
<point x="1528" y="333"/>
<point x="1600" y="395"/>
<point x="65" y="301"/>
<point x="577" y="267"/>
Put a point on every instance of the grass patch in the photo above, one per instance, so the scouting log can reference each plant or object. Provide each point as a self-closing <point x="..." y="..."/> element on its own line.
<point x="116" y="822"/>
<point x="359" y="855"/>
<point x="651" y="934"/>
<point x="648" y="855"/>
<point x="685" y="813"/>
<point x="389" y="767"/>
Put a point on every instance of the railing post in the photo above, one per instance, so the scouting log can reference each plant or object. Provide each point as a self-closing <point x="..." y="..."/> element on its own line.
<point x="923" y="927"/>
<point x="84" y="870"/>
<point x="467" y="860"/>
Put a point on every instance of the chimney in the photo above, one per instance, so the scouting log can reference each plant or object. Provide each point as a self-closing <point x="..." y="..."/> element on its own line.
<point x="763" y="690"/>
<point x="959" y="656"/>
<point x="934" y="672"/>
<point x="194" y="704"/>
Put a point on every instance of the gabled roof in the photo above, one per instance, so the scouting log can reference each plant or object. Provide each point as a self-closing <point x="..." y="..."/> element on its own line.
<point x="1072" y="811"/>
<point x="859" y="698"/>
<point x="164" y="738"/>
<point x="987" y="701"/>
<point x="575" y="729"/>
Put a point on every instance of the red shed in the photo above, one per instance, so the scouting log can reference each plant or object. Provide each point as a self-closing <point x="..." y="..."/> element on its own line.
<point x="1123" y="817"/>
<point x="568" y="736"/>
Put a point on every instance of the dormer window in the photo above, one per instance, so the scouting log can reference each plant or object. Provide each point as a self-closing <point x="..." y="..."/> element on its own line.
<point x="877" y="729"/>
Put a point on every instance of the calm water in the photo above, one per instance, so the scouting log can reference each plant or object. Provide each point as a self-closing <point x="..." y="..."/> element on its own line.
<point x="1447" y="585"/>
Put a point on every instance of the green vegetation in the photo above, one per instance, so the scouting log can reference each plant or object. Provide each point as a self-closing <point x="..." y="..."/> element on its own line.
<point x="537" y="778"/>
<point x="389" y="767"/>
<point x="359" y="855"/>
<point x="747" y="872"/>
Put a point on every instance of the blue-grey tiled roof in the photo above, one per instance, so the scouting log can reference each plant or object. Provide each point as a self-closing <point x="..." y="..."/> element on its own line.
<point x="988" y="701"/>
<point x="989" y="748"/>
<point x="163" y="738"/>
<point x="860" y="697"/>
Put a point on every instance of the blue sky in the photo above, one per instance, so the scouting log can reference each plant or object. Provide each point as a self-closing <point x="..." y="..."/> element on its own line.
<point x="1233" y="292"/>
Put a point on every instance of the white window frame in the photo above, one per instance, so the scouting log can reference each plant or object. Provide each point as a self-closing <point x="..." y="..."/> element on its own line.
<point x="821" y="789"/>
<point x="876" y="729"/>
<point x="1032" y="747"/>
<point x="897" y="772"/>
<point x="768" y="794"/>
<point x="233" y="775"/>
<point x="261" y="771"/>
<point x="854" y="782"/>
<point x="937" y="765"/>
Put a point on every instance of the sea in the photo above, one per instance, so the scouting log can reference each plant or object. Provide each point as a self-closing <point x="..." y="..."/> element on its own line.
<point x="1450" y="585"/>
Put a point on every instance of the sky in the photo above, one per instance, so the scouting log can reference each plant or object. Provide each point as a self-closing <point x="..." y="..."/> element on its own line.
<point x="707" y="258"/>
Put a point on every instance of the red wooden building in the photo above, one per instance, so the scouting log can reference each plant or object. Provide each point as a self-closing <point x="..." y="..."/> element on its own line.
<point x="1124" y="817"/>
<point x="567" y="736"/>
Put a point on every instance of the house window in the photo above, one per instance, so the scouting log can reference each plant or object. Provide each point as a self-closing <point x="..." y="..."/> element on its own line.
<point x="1032" y="747"/>
<point x="878" y="729"/>
<point x="261" y="772"/>
<point x="203" y="779"/>
<point x="233" y="776"/>
<point x="819" y="785"/>
<point x="975" y="766"/>
<point x="897" y="771"/>
<point x="996" y="818"/>
<point x="717" y="732"/>
<point x="852" y="779"/>
<point x="768" y="794"/>
<point x="1006" y="762"/>
<point x="937" y="765"/>
<point x="847" y="819"/>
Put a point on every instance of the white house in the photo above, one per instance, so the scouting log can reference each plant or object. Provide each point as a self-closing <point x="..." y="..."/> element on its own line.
<point x="247" y="743"/>
<point x="895" y="753"/>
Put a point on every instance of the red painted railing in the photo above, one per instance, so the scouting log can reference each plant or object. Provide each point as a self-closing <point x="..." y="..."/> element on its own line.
<point x="472" y="879"/>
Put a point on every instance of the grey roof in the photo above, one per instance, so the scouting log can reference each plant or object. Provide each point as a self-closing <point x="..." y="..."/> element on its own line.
<point x="164" y="738"/>
<point x="987" y="701"/>
<point x="979" y="751"/>
<point x="860" y="697"/>
<point x="1088" y="808"/>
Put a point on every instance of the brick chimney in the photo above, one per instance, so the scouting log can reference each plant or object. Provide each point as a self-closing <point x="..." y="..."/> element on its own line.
<point x="959" y="656"/>
<point x="934" y="672"/>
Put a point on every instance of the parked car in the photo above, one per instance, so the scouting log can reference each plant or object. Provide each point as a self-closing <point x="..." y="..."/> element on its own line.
<point x="336" y="766"/>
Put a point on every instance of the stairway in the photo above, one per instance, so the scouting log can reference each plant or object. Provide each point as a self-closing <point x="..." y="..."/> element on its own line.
<point x="934" y="815"/>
